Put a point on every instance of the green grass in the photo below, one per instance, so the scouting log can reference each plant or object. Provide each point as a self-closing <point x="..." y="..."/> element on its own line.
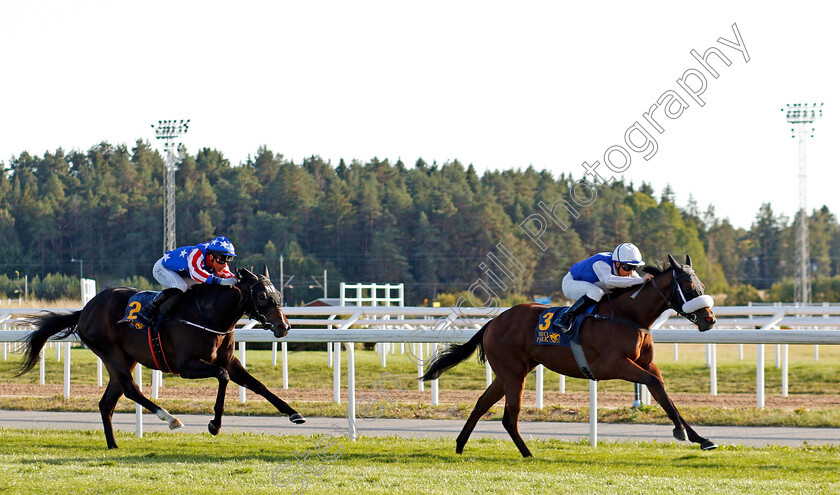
<point x="698" y="416"/>
<point x="35" y="462"/>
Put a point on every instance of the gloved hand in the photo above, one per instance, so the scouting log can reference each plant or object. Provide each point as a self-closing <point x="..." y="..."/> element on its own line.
<point x="230" y="282"/>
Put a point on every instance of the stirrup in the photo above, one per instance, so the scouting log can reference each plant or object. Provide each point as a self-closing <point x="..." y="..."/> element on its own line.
<point x="565" y="328"/>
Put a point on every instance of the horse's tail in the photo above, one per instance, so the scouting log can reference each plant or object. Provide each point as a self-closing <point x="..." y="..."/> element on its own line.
<point x="457" y="353"/>
<point x="47" y="326"/>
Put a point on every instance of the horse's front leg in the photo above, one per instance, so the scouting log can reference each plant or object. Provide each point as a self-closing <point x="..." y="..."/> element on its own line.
<point x="241" y="377"/>
<point x="652" y="378"/>
<point x="199" y="368"/>
<point x="682" y="430"/>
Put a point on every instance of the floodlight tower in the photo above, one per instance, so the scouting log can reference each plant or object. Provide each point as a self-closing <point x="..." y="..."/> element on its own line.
<point x="803" y="115"/>
<point x="168" y="131"/>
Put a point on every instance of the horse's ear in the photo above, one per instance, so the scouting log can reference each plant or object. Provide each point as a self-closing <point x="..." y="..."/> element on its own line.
<point x="244" y="271"/>
<point x="265" y="272"/>
<point x="688" y="260"/>
<point x="673" y="262"/>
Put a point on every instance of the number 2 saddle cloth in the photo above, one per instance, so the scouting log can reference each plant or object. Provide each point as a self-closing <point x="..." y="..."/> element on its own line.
<point x="547" y="333"/>
<point x="134" y="311"/>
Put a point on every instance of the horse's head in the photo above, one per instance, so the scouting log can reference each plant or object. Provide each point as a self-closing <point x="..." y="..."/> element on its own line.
<point x="686" y="296"/>
<point x="263" y="301"/>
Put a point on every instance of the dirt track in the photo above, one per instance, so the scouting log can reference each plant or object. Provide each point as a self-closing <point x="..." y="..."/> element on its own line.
<point x="571" y="399"/>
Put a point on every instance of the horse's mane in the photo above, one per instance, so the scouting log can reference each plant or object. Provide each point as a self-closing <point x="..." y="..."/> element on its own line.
<point x="655" y="269"/>
<point x="199" y="288"/>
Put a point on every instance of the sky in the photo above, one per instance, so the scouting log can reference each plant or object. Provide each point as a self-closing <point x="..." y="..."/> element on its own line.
<point x="496" y="85"/>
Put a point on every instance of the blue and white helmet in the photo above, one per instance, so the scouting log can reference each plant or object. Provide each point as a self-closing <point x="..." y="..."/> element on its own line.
<point x="628" y="253"/>
<point x="222" y="246"/>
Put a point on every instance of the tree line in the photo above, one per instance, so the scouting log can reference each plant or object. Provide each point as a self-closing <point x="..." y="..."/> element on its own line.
<point x="427" y="225"/>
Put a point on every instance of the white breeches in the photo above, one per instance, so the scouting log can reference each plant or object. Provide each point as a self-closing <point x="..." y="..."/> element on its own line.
<point x="168" y="278"/>
<point x="575" y="289"/>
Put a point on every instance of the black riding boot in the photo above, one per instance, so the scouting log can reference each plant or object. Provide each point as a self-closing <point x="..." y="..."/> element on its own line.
<point x="564" y="322"/>
<point x="150" y="312"/>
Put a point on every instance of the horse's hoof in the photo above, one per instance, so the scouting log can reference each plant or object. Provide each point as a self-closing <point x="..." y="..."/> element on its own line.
<point x="708" y="445"/>
<point x="679" y="434"/>
<point x="297" y="419"/>
<point x="175" y="424"/>
<point x="214" y="430"/>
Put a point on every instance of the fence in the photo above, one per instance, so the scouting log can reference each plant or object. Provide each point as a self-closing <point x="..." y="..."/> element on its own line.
<point x="760" y="325"/>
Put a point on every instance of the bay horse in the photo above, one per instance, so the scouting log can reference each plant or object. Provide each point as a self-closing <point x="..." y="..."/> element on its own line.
<point x="196" y="340"/>
<point x="617" y="346"/>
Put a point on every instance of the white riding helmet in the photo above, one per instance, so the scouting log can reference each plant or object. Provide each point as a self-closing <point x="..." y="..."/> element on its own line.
<point x="628" y="253"/>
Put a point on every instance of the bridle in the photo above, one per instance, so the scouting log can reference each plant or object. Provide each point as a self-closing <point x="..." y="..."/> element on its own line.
<point x="254" y="311"/>
<point x="679" y="304"/>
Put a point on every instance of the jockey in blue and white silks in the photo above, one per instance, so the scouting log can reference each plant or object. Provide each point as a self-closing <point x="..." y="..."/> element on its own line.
<point x="205" y="263"/>
<point x="588" y="280"/>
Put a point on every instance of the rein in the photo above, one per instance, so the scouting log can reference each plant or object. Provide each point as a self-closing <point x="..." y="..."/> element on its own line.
<point x="675" y="289"/>
<point x="205" y="328"/>
<point x="253" y="312"/>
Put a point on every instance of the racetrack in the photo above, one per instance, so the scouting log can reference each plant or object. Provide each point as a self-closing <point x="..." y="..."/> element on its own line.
<point x="750" y="436"/>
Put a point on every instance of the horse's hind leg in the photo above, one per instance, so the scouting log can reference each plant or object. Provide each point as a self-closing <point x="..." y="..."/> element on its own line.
<point x="242" y="377"/>
<point x="490" y="396"/>
<point x="132" y="392"/>
<point x="107" y="403"/>
<point x="510" y="420"/>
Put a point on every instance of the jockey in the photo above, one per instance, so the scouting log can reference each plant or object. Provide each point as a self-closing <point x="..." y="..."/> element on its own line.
<point x="205" y="263"/>
<point x="588" y="280"/>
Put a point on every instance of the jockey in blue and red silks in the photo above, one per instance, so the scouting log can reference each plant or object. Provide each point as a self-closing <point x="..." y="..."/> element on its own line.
<point x="588" y="280"/>
<point x="205" y="263"/>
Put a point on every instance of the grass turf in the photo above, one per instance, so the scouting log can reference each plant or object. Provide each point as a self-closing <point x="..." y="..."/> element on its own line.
<point x="37" y="462"/>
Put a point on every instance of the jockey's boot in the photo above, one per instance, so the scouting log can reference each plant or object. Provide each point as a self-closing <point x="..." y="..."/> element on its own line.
<point x="149" y="313"/>
<point x="564" y="322"/>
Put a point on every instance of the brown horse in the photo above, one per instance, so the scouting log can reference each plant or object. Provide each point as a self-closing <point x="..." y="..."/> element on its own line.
<point x="618" y="346"/>
<point x="196" y="339"/>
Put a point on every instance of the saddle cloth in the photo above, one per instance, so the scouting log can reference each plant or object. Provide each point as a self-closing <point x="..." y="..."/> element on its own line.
<point x="547" y="334"/>
<point x="135" y="305"/>
<point x="132" y="311"/>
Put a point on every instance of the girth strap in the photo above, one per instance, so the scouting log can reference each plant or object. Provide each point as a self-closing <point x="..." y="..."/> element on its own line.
<point x="157" y="350"/>
<point x="577" y="349"/>
<point x="580" y="358"/>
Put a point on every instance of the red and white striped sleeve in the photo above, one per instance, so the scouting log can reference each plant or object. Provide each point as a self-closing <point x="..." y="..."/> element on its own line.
<point x="195" y="263"/>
